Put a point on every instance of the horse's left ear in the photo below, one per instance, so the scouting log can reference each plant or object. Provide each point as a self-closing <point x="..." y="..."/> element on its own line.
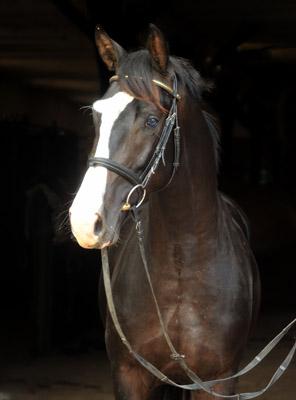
<point x="158" y="49"/>
<point x="110" y="51"/>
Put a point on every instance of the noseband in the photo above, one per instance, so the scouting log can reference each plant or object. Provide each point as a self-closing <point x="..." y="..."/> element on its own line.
<point x="144" y="179"/>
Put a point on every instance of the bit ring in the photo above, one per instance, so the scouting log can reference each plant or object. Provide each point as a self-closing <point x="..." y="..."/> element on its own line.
<point x="127" y="205"/>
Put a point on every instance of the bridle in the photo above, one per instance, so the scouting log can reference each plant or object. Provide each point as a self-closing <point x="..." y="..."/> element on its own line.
<point x="143" y="180"/>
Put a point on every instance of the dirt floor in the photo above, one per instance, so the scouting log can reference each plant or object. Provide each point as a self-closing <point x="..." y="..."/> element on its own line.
<point x="86" y="375"/>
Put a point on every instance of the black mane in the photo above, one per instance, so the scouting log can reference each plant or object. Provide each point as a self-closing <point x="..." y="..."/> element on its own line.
<point x="138" y="68"/>
<point x="136" y="75"/>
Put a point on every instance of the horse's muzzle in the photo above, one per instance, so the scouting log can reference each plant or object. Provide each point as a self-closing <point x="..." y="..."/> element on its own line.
<point x="87" y="230"/>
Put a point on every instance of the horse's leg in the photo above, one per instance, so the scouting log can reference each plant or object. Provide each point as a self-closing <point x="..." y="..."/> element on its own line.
<point x="130" y="383"/>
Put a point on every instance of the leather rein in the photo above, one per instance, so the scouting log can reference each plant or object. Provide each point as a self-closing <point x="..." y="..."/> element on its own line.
<point x="198" y="383"/>
<point x="142" y="182"/>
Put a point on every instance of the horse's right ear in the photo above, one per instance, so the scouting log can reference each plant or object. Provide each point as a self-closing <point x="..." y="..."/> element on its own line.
<point x="110" y="51"/>
<point x="157" y="47"/>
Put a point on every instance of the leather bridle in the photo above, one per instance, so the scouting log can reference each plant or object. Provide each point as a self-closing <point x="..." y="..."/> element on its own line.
<point x="143" y="180"/>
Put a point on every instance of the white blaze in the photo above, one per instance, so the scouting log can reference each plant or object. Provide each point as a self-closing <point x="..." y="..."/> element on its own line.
<point x="89" y="198"/>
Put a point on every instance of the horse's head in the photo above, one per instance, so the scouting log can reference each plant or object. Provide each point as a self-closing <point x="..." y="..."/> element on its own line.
<point x="130" y="120"/>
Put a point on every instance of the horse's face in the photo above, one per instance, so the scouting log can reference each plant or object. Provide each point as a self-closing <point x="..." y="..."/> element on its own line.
<point x="127" y="131"/>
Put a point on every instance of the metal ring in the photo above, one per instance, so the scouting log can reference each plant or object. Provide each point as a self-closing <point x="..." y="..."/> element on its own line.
<point x="127" y="205"/>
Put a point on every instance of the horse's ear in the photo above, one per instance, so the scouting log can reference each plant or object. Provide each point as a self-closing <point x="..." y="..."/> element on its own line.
<point x="158" y="49"/>
<point x="110" y="51"/>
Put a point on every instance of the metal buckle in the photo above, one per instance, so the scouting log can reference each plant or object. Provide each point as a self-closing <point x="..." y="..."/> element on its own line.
<point x="127" y="205"/>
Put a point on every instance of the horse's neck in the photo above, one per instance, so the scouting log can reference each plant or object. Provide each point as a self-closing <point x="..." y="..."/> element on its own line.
<point x="188" y="209"/>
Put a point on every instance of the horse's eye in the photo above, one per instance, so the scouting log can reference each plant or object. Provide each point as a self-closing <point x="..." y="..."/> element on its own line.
<point x="152" y="122"/>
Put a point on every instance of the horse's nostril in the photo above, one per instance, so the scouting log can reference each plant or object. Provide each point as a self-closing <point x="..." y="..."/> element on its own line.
<point x="98" y="226"/>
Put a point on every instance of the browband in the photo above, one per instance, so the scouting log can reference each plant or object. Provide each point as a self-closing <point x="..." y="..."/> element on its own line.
<point x="157" y="82"/>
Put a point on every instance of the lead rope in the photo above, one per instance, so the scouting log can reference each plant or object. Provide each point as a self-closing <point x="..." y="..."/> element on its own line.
<point x="198" y="383"/>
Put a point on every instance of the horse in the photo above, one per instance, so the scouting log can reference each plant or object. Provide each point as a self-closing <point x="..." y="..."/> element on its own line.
<point x="155" y="160"/>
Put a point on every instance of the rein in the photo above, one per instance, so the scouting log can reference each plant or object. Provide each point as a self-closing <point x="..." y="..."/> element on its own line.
<point x="142" y="181"/>
<point x="198" y="383"/>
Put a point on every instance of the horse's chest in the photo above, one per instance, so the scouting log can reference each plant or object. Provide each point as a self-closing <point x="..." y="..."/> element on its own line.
<point x="178" y="306"/>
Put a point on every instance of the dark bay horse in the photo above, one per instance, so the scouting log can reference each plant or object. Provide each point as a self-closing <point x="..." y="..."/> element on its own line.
<point x="202" y="270"/>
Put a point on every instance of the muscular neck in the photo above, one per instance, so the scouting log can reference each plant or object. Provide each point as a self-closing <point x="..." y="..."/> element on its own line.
<point x="187" y="208"/>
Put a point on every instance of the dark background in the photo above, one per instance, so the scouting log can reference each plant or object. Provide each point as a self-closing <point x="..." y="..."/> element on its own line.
<point x="50" y="73"/>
